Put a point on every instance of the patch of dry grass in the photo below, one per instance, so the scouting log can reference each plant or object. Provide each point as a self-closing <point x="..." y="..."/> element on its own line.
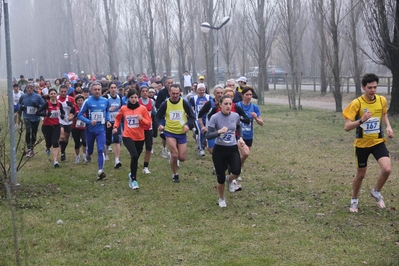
<point x="293" y="209"/>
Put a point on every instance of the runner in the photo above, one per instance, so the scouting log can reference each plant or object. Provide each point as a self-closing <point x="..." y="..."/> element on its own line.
<point x="179" y="118"/>
<point x="53" y="112"/>
<point x="197" y="102"/>
<point x="68" y="103"/>
<point x="253" y="112"/>
<point x="16" y="95"/>
<point x="97" y="115"/>
<point x="136" y="120"/>
<point x="149" y="104"/>
<point x="366" y="114"/>
<point x="78" y="131"/>
<point x="115" y="104"/>
<point x="223" y="127"/>
<point x="28" y="104"/>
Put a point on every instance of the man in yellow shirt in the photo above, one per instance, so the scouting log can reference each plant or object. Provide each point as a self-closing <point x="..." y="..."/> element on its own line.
<point x="179" y="119"/>
<point x="366" y="114"/>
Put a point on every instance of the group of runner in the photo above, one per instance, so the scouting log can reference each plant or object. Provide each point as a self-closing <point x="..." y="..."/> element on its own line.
<point x="108" y="117"/>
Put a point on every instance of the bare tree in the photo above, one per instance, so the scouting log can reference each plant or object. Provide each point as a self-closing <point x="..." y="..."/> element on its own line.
<point x="293" y="26"/>
<point x="262" y="26"/>
<point x="319" y="16"/>
<point x="381" y="18"/>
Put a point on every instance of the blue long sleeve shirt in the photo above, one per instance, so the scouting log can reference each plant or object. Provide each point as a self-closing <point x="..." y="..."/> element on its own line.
<point x="95" y="109"/>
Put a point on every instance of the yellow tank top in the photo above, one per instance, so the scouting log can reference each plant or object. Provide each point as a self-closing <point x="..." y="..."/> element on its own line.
<point x="370" y="133"/>
<point x="175" y="117"/>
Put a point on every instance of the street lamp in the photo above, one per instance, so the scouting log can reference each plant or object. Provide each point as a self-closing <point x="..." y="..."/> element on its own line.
<point x="206" y="27"/>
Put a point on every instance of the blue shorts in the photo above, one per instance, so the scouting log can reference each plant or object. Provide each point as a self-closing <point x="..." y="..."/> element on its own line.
<point x="211" y="143"/>
<point x="180" y="138"/>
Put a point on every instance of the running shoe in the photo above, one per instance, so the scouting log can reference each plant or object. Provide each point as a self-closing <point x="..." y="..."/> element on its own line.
<point x="77" y="160"/>
<point x="201" y="153"/>
<point x="175" y="178"/>
<point x="164" y="153"/>
<point x="88" y="158"/>
<point x="109" y="149"/>
<point x="56" y="165"/>
<point x="117" y="164"/>
<point x="84" y="158"/>
<point x="106" y="157"/>
<point x="354" y="205"/>
<point x="214" y="171"/>
<point x="101" y="174"/>
<point x="130" y="181"/>
<point x="48" y="152"/>
<point x="233" y="186"/>
<point x="30" y="153"/>
<point x="146" y="171"/>
<point x="222" y="203"/>
<point x="378" y="198"/>
<point x="135" y="185"/>
<point x="63" y="157"/>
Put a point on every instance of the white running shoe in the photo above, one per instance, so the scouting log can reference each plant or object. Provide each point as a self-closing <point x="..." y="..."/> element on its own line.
<point x="84" y="158"/>
<point x="233" y="186"/>
<point x="222" y="203"/>
<point x="135" y="185"/>
<point x="106" y="157"/>
<point x="164" y="153"/>
<point x="146" y="171"/>
<point x="77" y="160"/>
<point x="354" y="205"/>
<point x="117" y="163"/>
<point x="152" y="151"/>
<point x="101" y="174"/>
<point x="201" y="153"/>
<point x="109" y="149"/>
<point x="378" y="198"/>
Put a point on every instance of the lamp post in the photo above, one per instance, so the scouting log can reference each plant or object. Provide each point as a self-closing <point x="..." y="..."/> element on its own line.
<point x="206" y="27"/>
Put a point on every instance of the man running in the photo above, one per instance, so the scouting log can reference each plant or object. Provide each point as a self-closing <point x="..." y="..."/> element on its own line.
<point x="96" y="108"/>
<point x="179" y="118"/>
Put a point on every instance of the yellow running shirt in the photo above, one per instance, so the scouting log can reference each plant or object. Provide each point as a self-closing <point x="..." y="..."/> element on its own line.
<point x="175" y="117"/>
<point x="370" y="133"/>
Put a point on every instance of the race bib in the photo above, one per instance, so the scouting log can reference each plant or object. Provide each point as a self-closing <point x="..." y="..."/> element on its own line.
<point x="176" y="115"/>
<point x="228" y="137"/>
<point x="98" y="116"/>
<point x="80" y="123"/>
<point x="112" y="116"/>
<point x="55" y="114"/>
<point x="30" y="110"/>
<point x="371" y="126"/>
<point x="132" y="121"/>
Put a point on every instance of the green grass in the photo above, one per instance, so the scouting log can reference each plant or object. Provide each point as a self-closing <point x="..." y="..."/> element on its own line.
<point x="293" y="209"/>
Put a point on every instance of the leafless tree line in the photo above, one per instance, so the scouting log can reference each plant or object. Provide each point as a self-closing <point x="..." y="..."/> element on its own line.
<point x="327" y="38"/>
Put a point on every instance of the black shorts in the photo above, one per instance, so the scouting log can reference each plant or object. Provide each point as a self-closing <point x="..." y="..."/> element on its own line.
<point x="362" y="154"/>
<point x="248" y="142"/>
<point x="67" y="128"/>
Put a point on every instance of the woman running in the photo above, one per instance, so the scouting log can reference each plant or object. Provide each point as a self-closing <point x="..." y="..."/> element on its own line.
<point x="223" y="126"/>
<point x="136" y="119"/>
<point x="78" y="131"/>
<point x="52" y="111"/>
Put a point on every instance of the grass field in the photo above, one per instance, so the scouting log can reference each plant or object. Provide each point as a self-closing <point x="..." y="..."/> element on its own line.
<point x="293" y="209"/>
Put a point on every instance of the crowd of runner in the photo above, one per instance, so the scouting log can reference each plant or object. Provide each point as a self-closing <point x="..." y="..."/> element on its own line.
<point x="108" y="113"/>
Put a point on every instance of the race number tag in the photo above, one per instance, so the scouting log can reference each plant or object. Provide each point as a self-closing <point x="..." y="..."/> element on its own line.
<point x="371" y="126"/>
<point x="227" y="138"/>
<point x="176" y="116"/>
<point x="132" y="121"/>
<point x="55" y="114"/>
<point x="112" y="116"/>
<point x="80" y="123"/>
<point x="30" y="110"/>
<point x="98" y="116"/>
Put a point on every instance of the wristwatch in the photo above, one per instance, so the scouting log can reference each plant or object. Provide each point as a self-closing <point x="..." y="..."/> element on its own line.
<point x="360" y="121"/>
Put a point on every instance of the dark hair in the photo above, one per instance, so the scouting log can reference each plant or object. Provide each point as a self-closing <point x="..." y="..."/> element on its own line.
<point x="132" y="92"/>
<point x="175" y="86"/>
<point x="111" y="83"/>
<point x="15" y="85"/>
<point x="77" y="97"/>
<point x="52" y="89"/>
<point x="77" y="84"/>
<point x="63" y="86"/>
<point x="224" y="97"/>
<point x="369" y="78"/>
<point x="246" y="89"/>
